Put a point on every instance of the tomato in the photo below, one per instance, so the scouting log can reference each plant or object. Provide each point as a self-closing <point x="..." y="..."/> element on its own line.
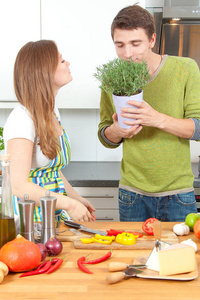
<point x="191" y="219"/>
<point x="147" y="226"/>
<point x="196" y="229"/>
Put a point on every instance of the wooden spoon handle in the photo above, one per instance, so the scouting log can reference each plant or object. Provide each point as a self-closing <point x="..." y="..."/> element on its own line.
<point x="117" y="266"/>
<point x="115" y="277"/>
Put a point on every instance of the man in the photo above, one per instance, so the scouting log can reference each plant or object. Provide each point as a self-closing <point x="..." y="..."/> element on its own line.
<point x="156" y="176"/>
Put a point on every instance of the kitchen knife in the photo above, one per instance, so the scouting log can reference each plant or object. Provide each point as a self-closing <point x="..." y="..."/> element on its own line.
<point x="83" y="228"/>
<point x="157" y="232"/>
<point x="118" y="276"/>
<point x="120" y="266"/>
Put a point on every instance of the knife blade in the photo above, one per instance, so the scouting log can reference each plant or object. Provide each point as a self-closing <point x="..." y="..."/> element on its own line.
<point x="83" y="228"/>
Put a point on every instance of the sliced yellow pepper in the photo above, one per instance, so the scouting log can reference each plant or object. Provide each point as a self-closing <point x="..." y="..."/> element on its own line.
<point x="107" y="242"/>
<point x="87" y="240"/>
<point x="125" y="238"/>
<point x="104" y="237"/>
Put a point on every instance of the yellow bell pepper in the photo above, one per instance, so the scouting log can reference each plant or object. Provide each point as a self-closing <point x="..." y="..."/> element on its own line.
<point x="125" y="238"/>
<point x="98" y="239"/>
<point x="87" y="240"/>
<point x="104" y="237"/>
<point x="107" y="242"/>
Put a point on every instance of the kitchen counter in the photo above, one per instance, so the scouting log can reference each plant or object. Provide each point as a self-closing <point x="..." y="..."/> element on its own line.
<point x="93" y="174"/>
<point x="68" y="282"/>
<point x="101" y="174"/>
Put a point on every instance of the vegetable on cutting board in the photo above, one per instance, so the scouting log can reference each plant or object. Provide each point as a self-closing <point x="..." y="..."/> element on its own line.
<point x="102" y="239"/>
<point x="114" y="232"/>
<point x="147" y="226"/>
<point x="126" y="238"/>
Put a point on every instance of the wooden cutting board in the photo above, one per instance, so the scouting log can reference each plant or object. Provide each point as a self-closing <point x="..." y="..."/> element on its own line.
<point x="145" y="242"/>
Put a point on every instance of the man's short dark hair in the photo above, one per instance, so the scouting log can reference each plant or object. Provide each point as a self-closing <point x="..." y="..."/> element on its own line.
<point x="133" y="17"/>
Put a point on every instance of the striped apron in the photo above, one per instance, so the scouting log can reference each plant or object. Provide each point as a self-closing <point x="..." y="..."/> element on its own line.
<point x="49" y="178"/>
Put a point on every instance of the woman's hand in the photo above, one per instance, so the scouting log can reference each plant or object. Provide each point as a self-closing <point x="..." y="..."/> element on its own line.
<point x="79" y="212"/>
<point x="89" y="206"/>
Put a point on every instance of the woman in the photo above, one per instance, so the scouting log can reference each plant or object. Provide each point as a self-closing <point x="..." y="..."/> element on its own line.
<point x="33" y="134"/>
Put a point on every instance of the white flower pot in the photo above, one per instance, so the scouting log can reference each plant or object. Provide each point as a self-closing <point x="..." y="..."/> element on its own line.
<point x="122" y="101"/>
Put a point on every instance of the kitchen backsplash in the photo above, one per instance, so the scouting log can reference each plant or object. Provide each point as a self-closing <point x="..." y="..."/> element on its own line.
<point x="81" y="126"/>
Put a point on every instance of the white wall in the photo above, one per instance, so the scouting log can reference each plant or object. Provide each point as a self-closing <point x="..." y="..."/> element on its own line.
<point x="81" y="126"/>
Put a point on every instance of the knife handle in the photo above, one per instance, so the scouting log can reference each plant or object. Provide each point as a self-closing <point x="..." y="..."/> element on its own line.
<point x="117" y="266"/>
<point x="115" y="277"/>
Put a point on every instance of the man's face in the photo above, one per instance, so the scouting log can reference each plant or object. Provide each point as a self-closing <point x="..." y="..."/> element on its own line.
<point x="133" y="44"/>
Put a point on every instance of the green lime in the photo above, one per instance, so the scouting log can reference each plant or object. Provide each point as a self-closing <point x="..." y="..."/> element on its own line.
<point x="191" y="219"/>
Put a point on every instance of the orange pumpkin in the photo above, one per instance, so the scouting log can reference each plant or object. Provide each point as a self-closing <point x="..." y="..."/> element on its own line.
<point x="20" y="254"/>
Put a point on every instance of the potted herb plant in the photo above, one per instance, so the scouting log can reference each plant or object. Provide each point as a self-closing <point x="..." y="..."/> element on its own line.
<point x="124" y="79"/>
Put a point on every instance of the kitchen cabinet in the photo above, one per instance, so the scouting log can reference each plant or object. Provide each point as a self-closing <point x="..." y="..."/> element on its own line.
<point x="19" y="23"/>
<point x="104" y="199"/>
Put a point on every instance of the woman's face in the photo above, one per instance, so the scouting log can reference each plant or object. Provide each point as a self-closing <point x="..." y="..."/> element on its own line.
<point x="62" y="75"/>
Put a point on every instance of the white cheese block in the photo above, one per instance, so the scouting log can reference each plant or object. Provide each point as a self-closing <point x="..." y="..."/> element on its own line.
<point x="152" y="262"/>
<point x="176" y="259"/>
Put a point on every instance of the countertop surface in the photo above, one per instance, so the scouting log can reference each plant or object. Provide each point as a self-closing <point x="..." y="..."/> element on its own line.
<point x="102" y="174"/>
<point x="93" y="174"/>
<point x="69" y="282"/>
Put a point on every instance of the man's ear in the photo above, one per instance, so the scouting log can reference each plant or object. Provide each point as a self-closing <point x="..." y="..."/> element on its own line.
<point x="153" y="40"/>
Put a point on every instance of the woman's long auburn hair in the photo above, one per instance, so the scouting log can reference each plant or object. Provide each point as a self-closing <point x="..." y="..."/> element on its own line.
<point x="34" y="70"/>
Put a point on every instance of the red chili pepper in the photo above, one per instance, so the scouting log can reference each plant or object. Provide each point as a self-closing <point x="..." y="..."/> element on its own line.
<point x="42" y="268"/>
<point x="113" y="232"/>
<point x="41" y="265"/>
<point x="81" y="266"/>
<point x="56" y="263"/>
<point x="100" y="259"/>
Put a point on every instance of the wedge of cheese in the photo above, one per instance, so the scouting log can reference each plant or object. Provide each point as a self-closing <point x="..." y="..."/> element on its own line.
<point x="176" y="259"/>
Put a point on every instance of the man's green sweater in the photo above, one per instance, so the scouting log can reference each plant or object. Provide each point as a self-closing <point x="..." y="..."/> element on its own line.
<point x="155" y="161"/>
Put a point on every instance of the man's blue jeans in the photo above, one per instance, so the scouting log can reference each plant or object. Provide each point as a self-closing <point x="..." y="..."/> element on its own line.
<point x="135" y="207"/>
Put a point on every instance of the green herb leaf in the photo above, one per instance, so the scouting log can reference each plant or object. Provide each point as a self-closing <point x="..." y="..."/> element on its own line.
<point x="122" y="77"/>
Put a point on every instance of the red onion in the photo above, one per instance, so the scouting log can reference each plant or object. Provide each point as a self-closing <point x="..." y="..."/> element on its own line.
<point x="54" y="246"/>
<point x="43" y="250"/>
